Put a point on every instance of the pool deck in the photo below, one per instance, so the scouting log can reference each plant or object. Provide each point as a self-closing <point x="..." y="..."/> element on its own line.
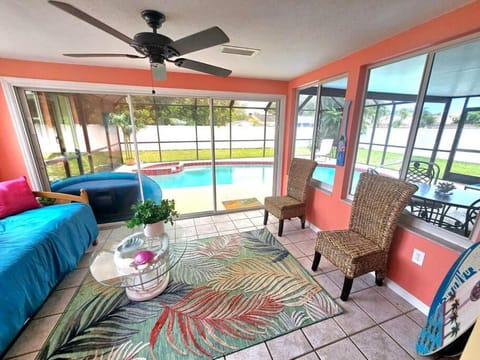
<point x="199" y="199"/>
<point x="174" y="167"/>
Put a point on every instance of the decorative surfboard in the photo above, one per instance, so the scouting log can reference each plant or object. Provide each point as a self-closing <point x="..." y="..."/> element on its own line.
<point x="454" y="308"/>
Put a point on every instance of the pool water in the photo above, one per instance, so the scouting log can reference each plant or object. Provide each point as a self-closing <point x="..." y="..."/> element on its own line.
<point x="249" y="175"/>
<point x="326" y="175"/>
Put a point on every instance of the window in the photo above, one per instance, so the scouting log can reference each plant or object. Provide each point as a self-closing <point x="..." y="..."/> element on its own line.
<point x="387" y="116"/>
<point x="307" y="107"/>
<point x="318" y="139"/>
<point x="405" y="123"/>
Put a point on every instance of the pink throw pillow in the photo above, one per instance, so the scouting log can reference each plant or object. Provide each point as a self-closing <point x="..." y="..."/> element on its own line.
<point x="16" y="196"/>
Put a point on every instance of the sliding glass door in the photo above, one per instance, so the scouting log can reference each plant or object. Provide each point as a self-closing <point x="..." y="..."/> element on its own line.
<point x="207" y="154"/>
<point x="173" y="139"/>
<point x="244" y="138"/>
<point x="72" y="132"/>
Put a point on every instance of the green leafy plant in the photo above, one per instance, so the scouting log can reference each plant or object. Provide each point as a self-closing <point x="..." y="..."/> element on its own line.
<point x="150" y="212"/>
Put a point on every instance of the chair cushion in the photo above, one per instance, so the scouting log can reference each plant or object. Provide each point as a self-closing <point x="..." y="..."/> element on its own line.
<point x="353" y="254"/>
<point x="284" y="207"/>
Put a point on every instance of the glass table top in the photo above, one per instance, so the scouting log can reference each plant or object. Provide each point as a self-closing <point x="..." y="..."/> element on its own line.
<point x="136" y="260"/>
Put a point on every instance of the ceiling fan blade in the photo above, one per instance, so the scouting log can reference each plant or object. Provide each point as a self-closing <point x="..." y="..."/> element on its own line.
<point x="202" y="67"/>
<point x="91" y="20"/>
<point x="105" y="55"/>
<point x="159" y="71"/>
<point x="201" y="40"/>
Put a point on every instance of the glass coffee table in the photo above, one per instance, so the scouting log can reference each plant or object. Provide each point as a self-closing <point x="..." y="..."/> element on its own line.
<point x="138" y="263"/>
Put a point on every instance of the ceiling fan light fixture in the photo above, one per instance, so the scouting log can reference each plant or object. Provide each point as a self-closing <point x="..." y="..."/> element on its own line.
<point x="237" y="50"/>
<point x="159" y="71"/>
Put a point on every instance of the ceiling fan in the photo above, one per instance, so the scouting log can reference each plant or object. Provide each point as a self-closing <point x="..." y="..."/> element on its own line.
<point x="156" y="47"/>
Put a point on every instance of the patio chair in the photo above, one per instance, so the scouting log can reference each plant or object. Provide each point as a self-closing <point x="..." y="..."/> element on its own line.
<point x="471" y="217"/>
<point x="464" y="228"/>
<point x="325" y="149"/>
<point x="293" y="204"/>
<point x="363" y="247"/>
<point x="423" y="172"/>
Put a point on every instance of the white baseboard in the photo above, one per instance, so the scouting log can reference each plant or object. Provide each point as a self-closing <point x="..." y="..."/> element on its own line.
<point x="404" y="294"/>
<point x="311" y="226"/>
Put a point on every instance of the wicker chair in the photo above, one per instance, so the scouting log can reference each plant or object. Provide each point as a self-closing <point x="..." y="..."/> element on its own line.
<point x="377" y="206"/>
<point x="293" y="204"/>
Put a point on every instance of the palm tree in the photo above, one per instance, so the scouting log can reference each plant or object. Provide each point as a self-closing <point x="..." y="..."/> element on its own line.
<point x="122" y="120"/>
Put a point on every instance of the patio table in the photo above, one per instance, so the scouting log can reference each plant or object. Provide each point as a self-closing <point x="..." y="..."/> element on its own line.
<point x="437" y="205"/>
<point x="473" y="187"/>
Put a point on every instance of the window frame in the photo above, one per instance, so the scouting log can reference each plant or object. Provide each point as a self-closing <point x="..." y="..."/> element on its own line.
<point x="408" y="221"/>
<point x="325" y="187"/>
<point x="10" y="84"/>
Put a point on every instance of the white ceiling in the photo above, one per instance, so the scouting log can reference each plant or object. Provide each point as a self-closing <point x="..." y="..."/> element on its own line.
<point x="294" y="36"/>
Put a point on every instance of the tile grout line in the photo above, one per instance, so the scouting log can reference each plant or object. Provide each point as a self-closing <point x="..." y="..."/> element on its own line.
<point x="326" y="344"/>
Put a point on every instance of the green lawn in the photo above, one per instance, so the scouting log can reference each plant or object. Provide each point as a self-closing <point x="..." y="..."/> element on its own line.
<point x="101" y="160"/>
<point x="394" y="159"/>
<point x="203" y="154"/>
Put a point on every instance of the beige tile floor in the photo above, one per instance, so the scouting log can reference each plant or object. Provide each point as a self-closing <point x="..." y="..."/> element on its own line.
<point x="376" y="323"/>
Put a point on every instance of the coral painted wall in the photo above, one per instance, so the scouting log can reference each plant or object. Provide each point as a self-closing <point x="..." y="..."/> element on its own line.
<point x="11" y="158"/>
<point x="330" y="211"/>
<point x="135" y="77"/>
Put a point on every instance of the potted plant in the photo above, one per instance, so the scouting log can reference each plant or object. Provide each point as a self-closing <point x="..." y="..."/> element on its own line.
<point x="153" y="216"/>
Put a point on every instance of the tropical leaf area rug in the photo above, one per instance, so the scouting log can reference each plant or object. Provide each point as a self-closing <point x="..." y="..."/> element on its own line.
<point x="226" y="293"/>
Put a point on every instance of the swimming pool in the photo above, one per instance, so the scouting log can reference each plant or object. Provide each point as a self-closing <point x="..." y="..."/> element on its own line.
<point x="250" y="175"/>
<point x="326" y="175"/>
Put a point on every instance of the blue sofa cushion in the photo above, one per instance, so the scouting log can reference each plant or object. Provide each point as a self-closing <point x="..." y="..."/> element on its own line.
<point x="38" y="248"/>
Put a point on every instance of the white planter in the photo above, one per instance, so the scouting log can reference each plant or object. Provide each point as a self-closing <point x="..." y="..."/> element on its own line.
<point x="155" y="229"/>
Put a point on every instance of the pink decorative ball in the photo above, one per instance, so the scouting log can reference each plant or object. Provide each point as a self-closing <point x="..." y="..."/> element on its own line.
<point x="143" y="257"/>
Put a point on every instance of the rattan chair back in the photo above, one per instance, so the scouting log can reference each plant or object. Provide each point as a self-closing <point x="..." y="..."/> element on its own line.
<point x="377" y="206"/>
<point x="299" y="175"/>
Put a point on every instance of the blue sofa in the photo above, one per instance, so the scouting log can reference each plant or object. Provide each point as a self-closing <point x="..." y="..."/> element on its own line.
<point x="38" y="247"/>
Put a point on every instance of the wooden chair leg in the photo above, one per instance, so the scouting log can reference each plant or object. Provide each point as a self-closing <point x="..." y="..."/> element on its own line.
<point x="347" y="286"/>
<point x="302" y="219"/>
<point x="265" y="217"/>
<point x="280" y="227"/>
<point x="316" y="260"/>
<point x="378" y="278"/>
